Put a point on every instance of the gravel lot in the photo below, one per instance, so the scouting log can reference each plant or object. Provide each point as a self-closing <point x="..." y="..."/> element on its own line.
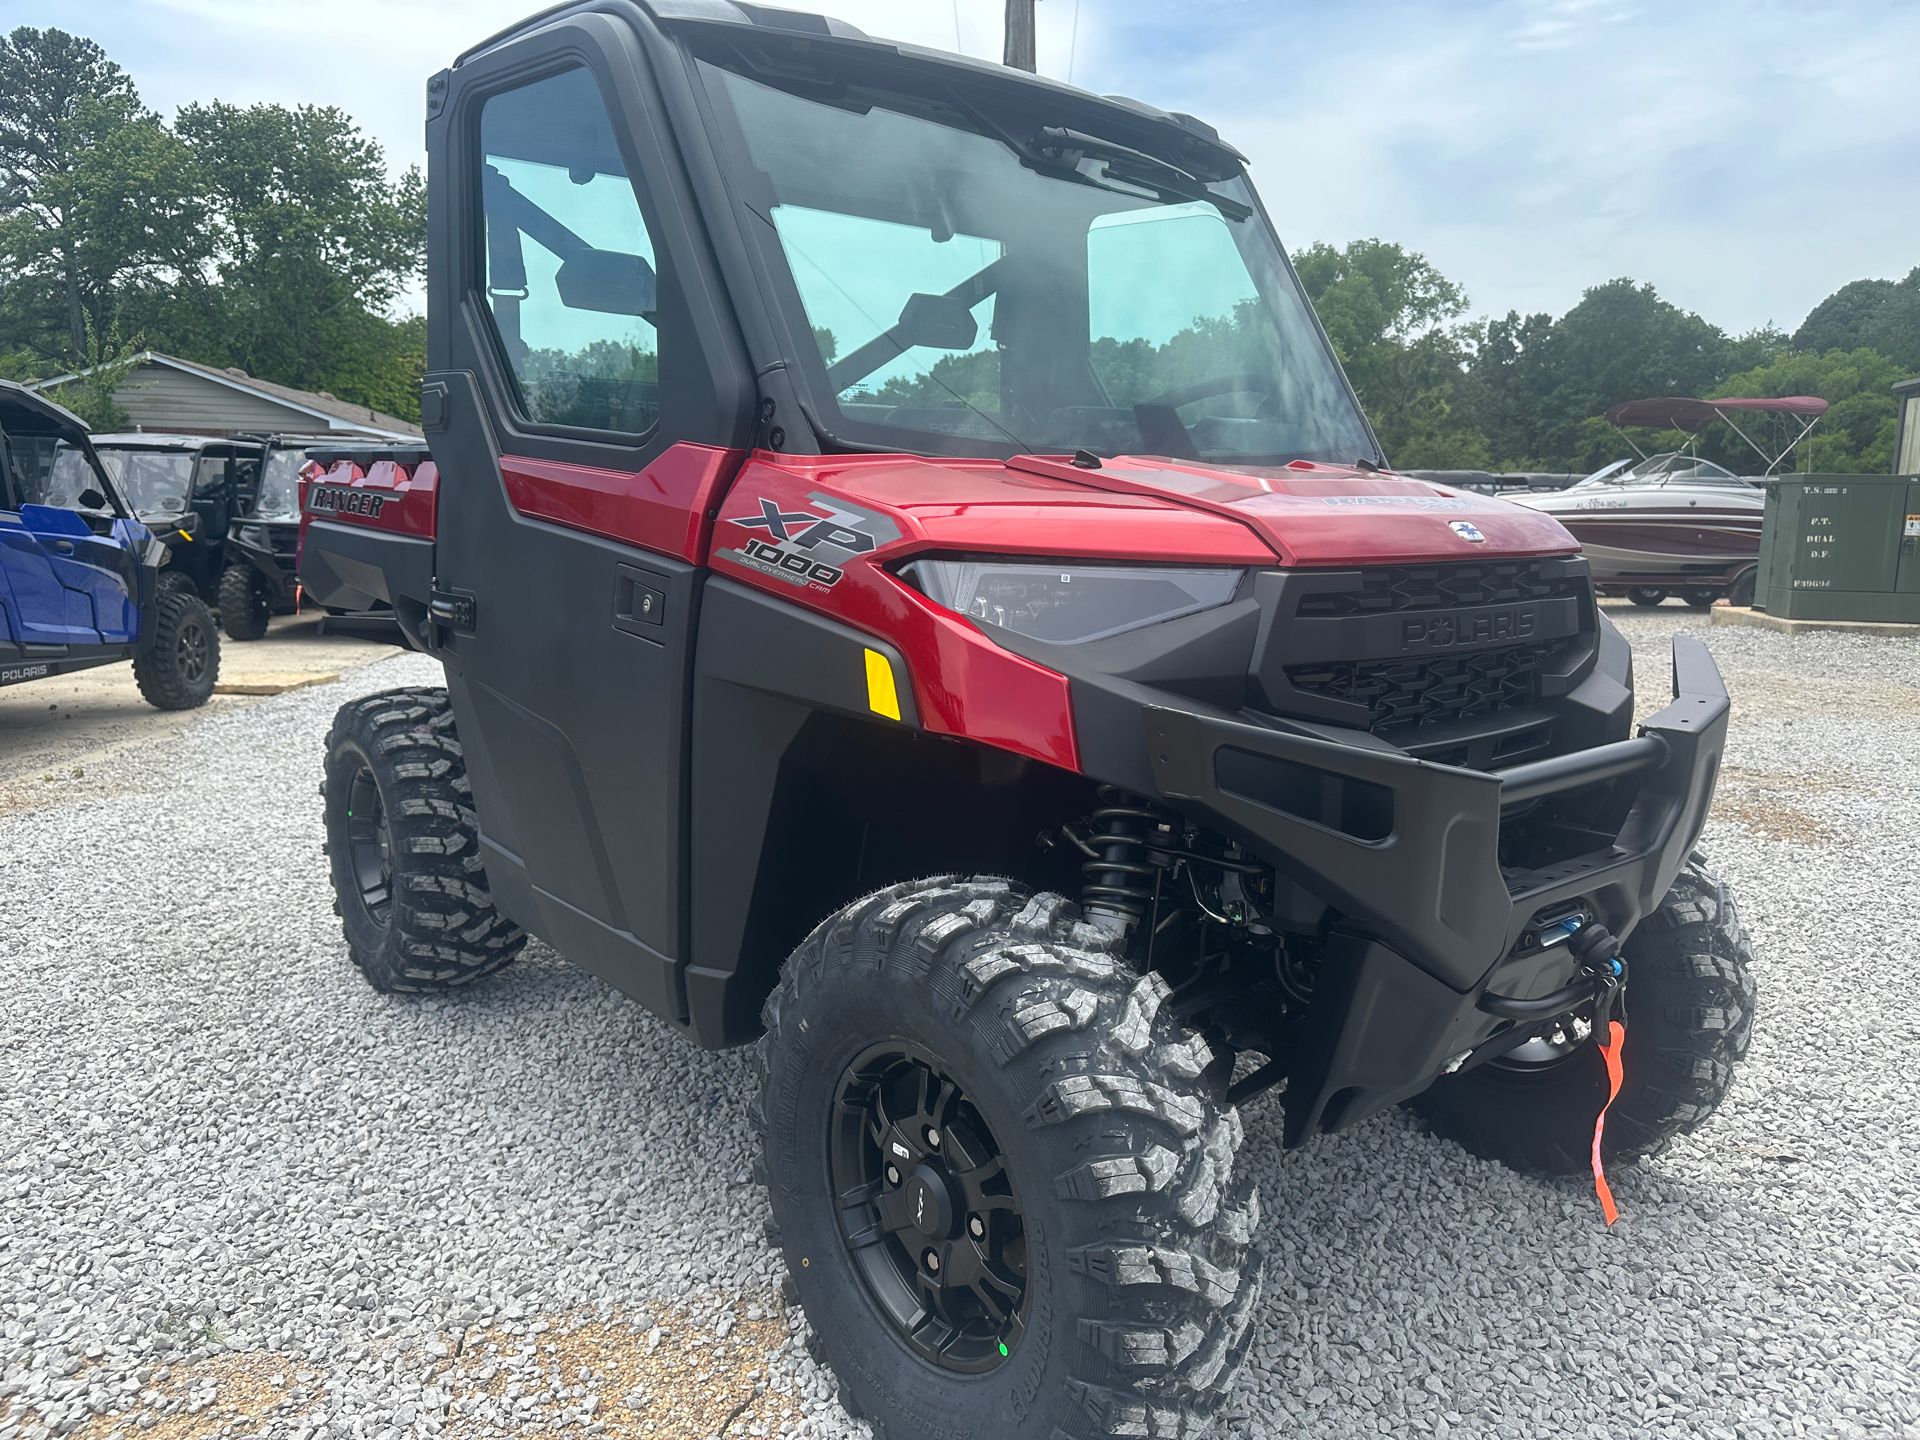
<point x="242" y="1194"/>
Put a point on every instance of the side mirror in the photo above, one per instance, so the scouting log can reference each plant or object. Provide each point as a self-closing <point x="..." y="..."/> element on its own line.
<point x="939" y="322"/>
<point x="91" y="499"/>
<point x="609" y="281"/>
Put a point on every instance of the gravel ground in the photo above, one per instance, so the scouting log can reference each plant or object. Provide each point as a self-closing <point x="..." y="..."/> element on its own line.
<point x="242" y="1194"/>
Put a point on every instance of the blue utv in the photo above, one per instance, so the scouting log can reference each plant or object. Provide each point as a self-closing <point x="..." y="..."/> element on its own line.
<point x="79" y="574"/>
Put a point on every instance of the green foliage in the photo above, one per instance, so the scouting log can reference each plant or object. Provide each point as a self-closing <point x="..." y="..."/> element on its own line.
<point x="1390" y="314"/>
<point x="109" y="360"/>
<point x="1856" y="435"/>
<point x="312" y="243"/>
<point x="1882" y="315"/>
<point x="267" y="237"/>
<point x="95" y="193"/>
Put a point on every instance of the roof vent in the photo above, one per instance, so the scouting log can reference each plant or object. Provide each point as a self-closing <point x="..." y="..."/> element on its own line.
<point x="238" y="373"/>
<point x="326" y="394"/>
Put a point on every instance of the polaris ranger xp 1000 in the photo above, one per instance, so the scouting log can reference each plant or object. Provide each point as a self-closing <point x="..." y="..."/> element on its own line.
<point x="917" y="593"/>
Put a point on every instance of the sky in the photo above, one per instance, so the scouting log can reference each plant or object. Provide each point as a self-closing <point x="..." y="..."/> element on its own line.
<point x="1747" y="157"/>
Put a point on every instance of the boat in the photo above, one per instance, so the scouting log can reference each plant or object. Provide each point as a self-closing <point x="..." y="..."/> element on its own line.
<point x="1675" y="523"/>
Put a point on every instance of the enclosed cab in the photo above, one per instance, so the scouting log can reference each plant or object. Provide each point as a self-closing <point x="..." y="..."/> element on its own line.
<point x="917" y="592"/>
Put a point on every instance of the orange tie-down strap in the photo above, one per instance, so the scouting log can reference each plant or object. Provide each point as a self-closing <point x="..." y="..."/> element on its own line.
<point x="1610" y="1051"/>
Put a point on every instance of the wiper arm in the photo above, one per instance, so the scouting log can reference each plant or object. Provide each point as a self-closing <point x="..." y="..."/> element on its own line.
<point x="1126" y="164"/>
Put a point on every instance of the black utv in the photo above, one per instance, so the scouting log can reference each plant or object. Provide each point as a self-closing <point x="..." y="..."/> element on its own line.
<point x="184" y="488"/>
<point x="258" y="579"/>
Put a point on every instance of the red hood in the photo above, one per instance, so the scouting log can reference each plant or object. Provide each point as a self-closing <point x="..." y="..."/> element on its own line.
<point x="1330" y="515"/>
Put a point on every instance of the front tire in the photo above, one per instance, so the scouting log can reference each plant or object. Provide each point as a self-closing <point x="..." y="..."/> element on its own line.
<point x="178" y="669"/>
<point x="403" y="847"/>
<point x="1646" y="596"/>
<point x="1103" y="1276"/>
<point x="1690" y="1004"/>
<point x="245" y="606"/>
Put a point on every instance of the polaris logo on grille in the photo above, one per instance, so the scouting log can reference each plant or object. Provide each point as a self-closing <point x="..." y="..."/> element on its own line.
<point x="1482" y="627"/>
<point x="1466" y="530"/>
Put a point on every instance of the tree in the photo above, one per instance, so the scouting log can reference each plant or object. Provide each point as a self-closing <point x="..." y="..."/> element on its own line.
<point x="312" y="244"/>
<point x="1882" y="315"/>
<point x="1621" y="342"/>
<point x="1856" y="434"/>
<point x="1388" y="311"/>
<point x="106" y="363"/>
<point x="95" y="194"/>
<point x="1505" y="387"/>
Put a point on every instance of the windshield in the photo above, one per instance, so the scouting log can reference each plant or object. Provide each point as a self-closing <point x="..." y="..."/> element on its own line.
<point x="1670" y="468"/>
<point x="153" y="482"/>
<point x="1037" y="289"/>
<point x="279" y="497"/>
<point x="65" y="480"/>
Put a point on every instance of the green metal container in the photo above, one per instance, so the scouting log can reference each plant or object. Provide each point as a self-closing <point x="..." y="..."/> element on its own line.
<point x="1841" y="547"/>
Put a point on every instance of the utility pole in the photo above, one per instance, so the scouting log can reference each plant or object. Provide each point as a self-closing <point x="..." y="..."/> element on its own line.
<point x="1020" y="42"/>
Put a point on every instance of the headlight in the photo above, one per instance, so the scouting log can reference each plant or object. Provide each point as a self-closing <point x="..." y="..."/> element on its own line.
<point x="1069" y="603"/>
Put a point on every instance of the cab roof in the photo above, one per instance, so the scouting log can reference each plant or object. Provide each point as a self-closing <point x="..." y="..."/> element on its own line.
<point x="158" y="440"/>
<point x="824" y="33"/>
<point x="30" y="412"/>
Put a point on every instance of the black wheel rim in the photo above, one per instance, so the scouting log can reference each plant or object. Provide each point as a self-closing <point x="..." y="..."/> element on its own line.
<point x="928" y="1211"/>
<point x="193" y="651"/>
<point x="369" y="847"/>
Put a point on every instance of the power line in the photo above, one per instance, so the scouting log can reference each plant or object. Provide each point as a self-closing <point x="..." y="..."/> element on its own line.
<point x="958" y="46"/>
<point x="1073" y="45"/>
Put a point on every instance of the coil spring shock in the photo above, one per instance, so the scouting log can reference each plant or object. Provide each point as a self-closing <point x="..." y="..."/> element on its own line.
<point x="1119" y="876"/>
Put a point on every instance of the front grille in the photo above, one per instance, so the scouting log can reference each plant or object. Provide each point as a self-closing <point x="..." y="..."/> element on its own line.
<point x="1434" y="690"/>
<point x="1390" y="589"/>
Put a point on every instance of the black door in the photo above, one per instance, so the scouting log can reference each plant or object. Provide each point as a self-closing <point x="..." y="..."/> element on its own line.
<point x="584" y="401"/>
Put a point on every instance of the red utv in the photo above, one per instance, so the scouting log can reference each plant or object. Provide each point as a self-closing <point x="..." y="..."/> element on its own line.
<point x="918" y="595"/>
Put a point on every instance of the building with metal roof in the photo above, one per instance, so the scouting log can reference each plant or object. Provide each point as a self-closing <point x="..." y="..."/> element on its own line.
<point x="164" y="392"/>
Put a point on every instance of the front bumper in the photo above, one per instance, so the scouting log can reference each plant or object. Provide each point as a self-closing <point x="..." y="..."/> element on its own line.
<point x="1409" y="852"/>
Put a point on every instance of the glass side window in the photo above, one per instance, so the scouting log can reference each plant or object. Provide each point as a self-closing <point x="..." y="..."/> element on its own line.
<point x="570" y="267"/>
<point x="907" y="333"/>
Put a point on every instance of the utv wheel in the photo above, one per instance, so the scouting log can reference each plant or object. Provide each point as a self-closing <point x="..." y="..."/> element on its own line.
<point x="245" y="606"/>
<point x="178" y="669"/>
<point x="1700" y="599"/>
<point x="1690" y="1004"/>
<point x="1001" y="1186"/>
<point x="403" y="847"/>
<point x="176" y="582"/>
<point x="1646" y="596"/>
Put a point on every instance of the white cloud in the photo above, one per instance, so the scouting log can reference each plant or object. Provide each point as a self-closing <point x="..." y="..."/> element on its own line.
<point x="1746" y="156"/>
